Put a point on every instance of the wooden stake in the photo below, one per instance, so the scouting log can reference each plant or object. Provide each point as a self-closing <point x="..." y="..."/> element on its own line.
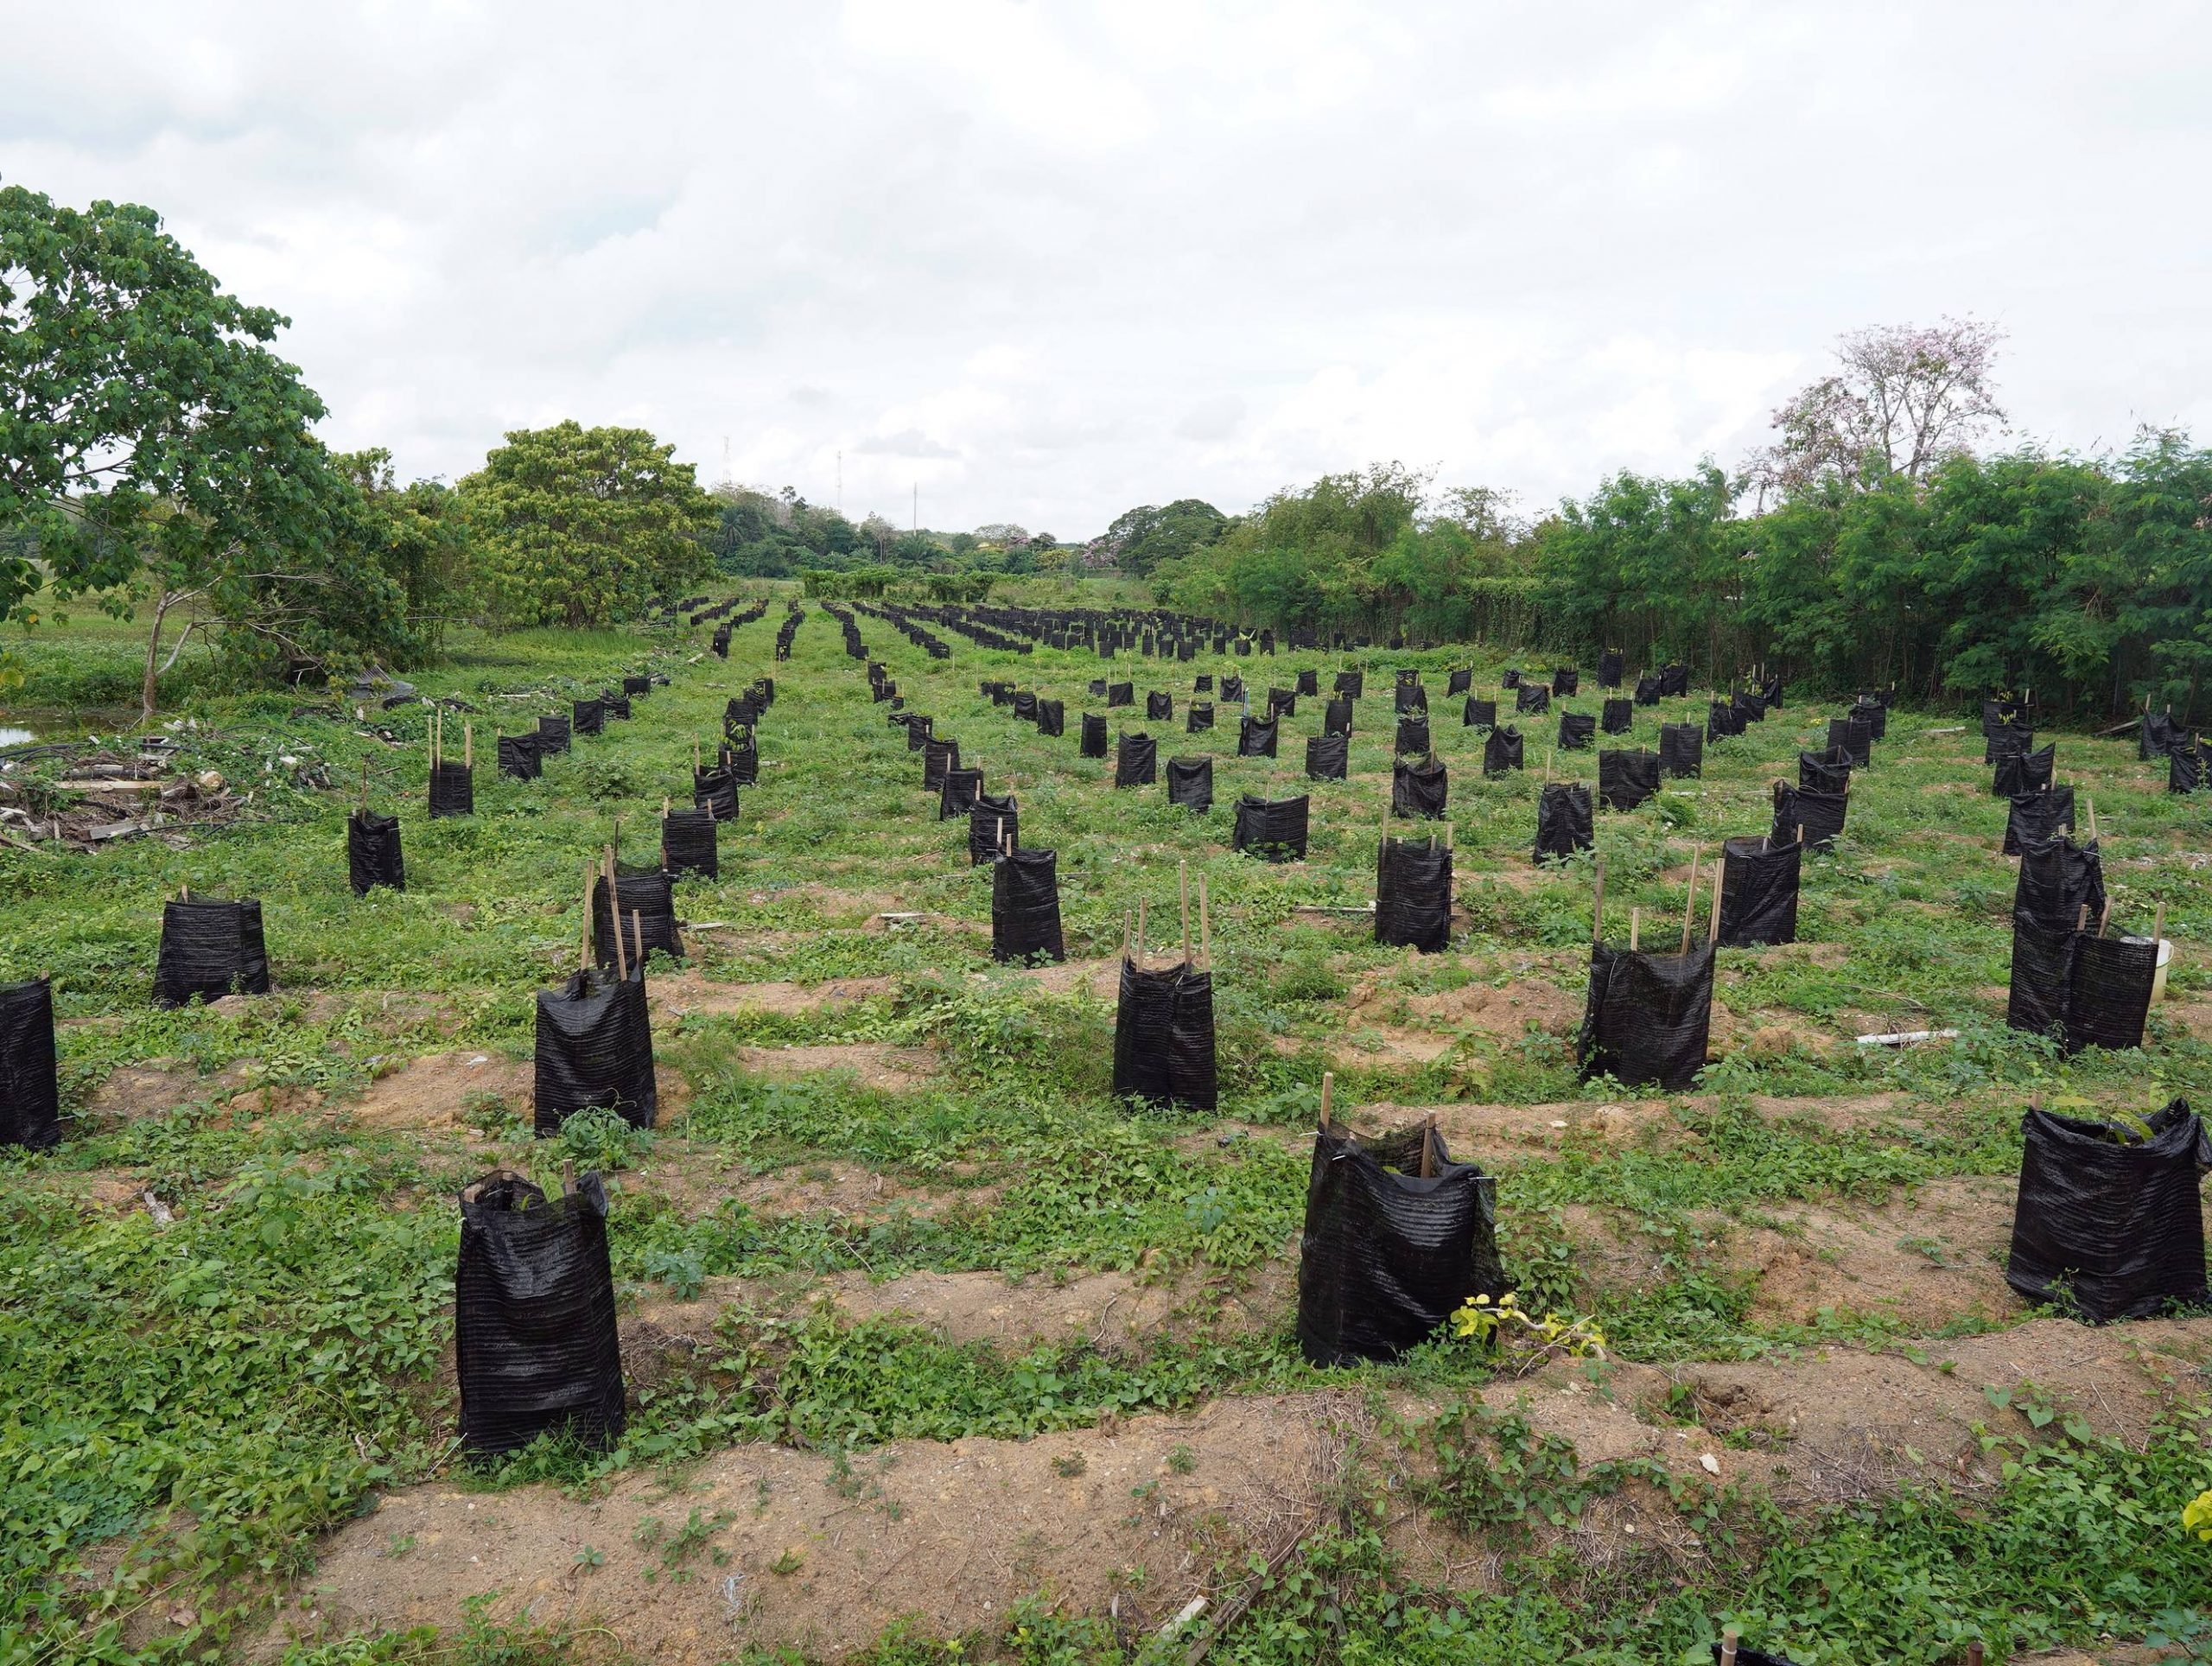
<point x="1713" y="921"/>
<point x="1689" y="903"/>
<point x="1597" y="904"/>
<point x="1973" y="1654"/>
<point x="583" y="960"/>
<point x="638" y="932"/>
<point x="2104" y="919"/>
<point x="2158" y="925"/>
<point x="1125" y="939"/>
<point x="2092" y="803"/>
<point x="469" y="746"/>
<point x="1184" y="886"/>
<point x="1634" y="928"/>
<point x="614" y="916"/>
<point x="1728" y="1647"/>
<point x="437" y="735"/>
<point x="365" y="786"/>
<point x="1427" y="1138"/>
<point x="1328" y="1085"/>
<point x="2082" y="920"/>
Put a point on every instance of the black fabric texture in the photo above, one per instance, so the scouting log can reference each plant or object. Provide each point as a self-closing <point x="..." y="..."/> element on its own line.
<point x="1682" y="750"/>
<point x="1335" y="716"/>
<point x="1386" y="1257"/>
<point x="2154" y="735"/>
<point x="1144" y="1014"/>
<point x="1197" y="717"/>
<point x="2184" y="766"/>
<point x="919" y="730"/>
<point x="1232" y="690"/>
<point x="1618" y="716"/>
<point x="957" y="792"/>
<point x="2108" y="991"/>
<point x="714" y="790"/>
<point x="1419" y="790"/>
<point x="1308" y="683"/>
<point x="1281" y="703"/>
<point x="637" y="685"/>
<point x="687" y="844"/>
<point x="209" y="950"/>
<point x="586" y="717"/>
<point x="742" y="761"/>
<point x="1626" y="778"/>
<point x="1647" y="1017"/>
<point x="1093" y="744"/>
<point x="1563" y="819"/>
<point x="938" y="758"/>
<point x="1328" y="757"/>
<point x="1759" y="893"/>
<point x="1611" y="667"/>
<point x="651" y="898"/>
<point x="1025" y="705"/>
<point x="989" y="818"/>
<point x="1827" y="771"/>
<point x="1850" y="736"/>
<point x="1566" y="679"/>
<point x="1272" y="829"/>
<point x="1413" y="895"/>
<point x="1413" y="736"/>
<point x="595" y="1051"/>
<point x="1510" y="677"/>
<point x="372" y="854"/>
<point x="1673" y="681"/>
<point x="1052" y="717"/>
<point x="553" y="735"/>
<point x="1158" y="708"/>
<point x="30" y="1085"/>
<point x="2038" y="817"/>
<point x="521" y="756"/>
<point x="2108" y="1225"/>
<point x="535" y="1343"/>
<point x="1136" y="760"/>
<point x="1025" y="906"/>
<point x="1532" y="696"/>
<point x="1874" y="714"/>
<point x="1408" y="697"/>
<point x="2025" y="771"/>
<point x="1459" y="681"/>
<point x="1647" y="691"/>
<point x="1722" y="720"/>
<point x="1351" y="683"/>
<point x="1752" y="1657"/>
<point x="1821" y="814"/>
<point x="1257" y="737"/>
<point x="1189" y="783"/>
<point x="1121" y="694"/>
<point x="2058" y="880"/>
<point x="452" y="790"/>
<point x="1578" y="731"/>
<point x="1097" y="688"/>
<point x="1478" y="714"/>
<point x="1501" y="750"/>
<point x="613" y="706"/>
<point x="2042" y="968"/>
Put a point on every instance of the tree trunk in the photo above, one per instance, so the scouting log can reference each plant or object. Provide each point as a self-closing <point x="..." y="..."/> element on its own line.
<point x="147" y="690"/>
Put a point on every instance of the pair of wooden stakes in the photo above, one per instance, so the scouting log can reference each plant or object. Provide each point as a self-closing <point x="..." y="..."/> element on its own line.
<point x="1636" y="915"/>
<point x="1427" y="1126"/>
<point x="1139" y="955"/>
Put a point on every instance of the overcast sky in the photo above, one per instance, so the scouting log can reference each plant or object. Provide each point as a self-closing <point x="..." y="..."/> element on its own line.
<point x="1047" y="261"/>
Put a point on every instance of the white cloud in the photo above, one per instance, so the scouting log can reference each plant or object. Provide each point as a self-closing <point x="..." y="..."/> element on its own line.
<point x="1049" y="259"/>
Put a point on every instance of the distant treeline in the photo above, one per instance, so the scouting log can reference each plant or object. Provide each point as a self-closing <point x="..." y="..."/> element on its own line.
<point x="2088" y="582"/>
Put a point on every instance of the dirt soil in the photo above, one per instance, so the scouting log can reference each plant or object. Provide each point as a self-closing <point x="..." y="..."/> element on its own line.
<point x="801" y="1549"/>
<point x="688" y="995"/>
<point x="875" y="1064"/>
<point x="430" y="1092"/>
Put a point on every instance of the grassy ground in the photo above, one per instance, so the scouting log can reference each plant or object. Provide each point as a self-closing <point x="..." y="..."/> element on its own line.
<point x="191" y="1395"/>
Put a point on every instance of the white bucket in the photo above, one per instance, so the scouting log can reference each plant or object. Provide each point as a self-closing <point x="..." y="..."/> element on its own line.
<point x="2158" y="978"/>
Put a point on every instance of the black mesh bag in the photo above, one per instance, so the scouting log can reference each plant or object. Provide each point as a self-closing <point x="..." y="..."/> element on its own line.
<point x="993" y="824"/>
<point x="1335" y="716"/>
<point x="2006" y="741"/>
<point x="586" y="717"/>
<point x="1625" y="780"/>
<point x="1419" y="790"/>
<point x="2038" y="817"/>
<point x="1751" y="708"/>
<point x="1682" y="750"/>
<point x="535" y="1343"/>
<point x="648" y="903"/>
<point x="957" y="792"/>
<point x="1121" y="694"/>
<point x="1136" y="760"/>
<point x="1611" y="667"/>
<point x="595" y="1051"/>
<point x="521" y="756"/>
<point x="1351" y="682"/>
<point x="1144" y="1015"/>
<point x="1824" y="771"/>
<point x="31" y="1087"/>
<point x="1721" y="720"/>
<point x="1759" y="893"/>
<point x="1478" y="714"/>
<point x="632" y="685"/>
<point x="1820" y="814"/>
<point x="714" y="790"/>
<point x="1190" y="784"/>
<point x="210" y="950"/>
<point x="1158" y="708"/>
<point x="1025" y="705"/>
<point x="1509" y="678"/>
<point x="1618" y="716"/>
<point x="1458" y="682"/>
<point x="1052" y="717"/>
<point x="1328" y="757"/>
<point x="1752" y="1657"/>
<point x="1192" y="1080"/>
<point x="373" y="857"/>
<point x="918" y="727"/>
<point x="1097" y="688"/>
<point x="688" y="845"/>
<point x="1648" y="1016"/>
<point x="1272" y="829"/>
<point x="1647" y="691"/>
<point x="2108" y="992"/>
<point x="1197" y="717"/>
<point x="1202" y="683"/>
<point x="2184" y="766"/>
<point x="452" y="790"/>
<point x="553" y="735"/>
<point x="1413" y="895"/>
<point x="1532" y="696"/>
<point x="2109" y="1224"/>
<point x="1673" y="681"/>
<point x="1413" y="737"/>
<point x="2042" y="970"/>
<point x="1501" y="750"/>
<point x="1566" y="679"/>
<point x="1578" y="731"/>
<point x="741" y="758"/>
<point x="1232" y="690"/>
<point x="614" y="706"/>
<point x="1257" y="737"/>
<point x="1410" y="698"/>
<point x="1387" y="1256"/>
<point x="2025" y="771"/>
<point x="1874" y="714"/>
<point x="1309" y="683"/>
<point x="1281" y="703"/>
<point x="2058" y="879"/>
<point x="1025" y="906"/>
<point x="938" y="758"/>
<point x="1093" y="744"/>
<point x="1563" y="820"/>
<point x="1852" y="737"/>
<point x="2153" y="737"/>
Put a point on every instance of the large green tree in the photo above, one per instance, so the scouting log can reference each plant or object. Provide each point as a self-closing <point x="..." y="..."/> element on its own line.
<point x="581" y="526"/>
<point x="154" y="449"/>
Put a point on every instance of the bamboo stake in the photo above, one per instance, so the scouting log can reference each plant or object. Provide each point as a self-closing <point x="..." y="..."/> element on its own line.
<point x="1634" y="928"/>
<point x="365" y="786"/>
<point x="1689" y="903"/>
<point x="2158" y="925"/>
<point x="1183" y="880"/>
<point x="2082" y="920"/>
<point x="1597" y="904"/>
<point x="1328" y="1085"/>
<point x="638" y="931"/>
<point x="1728" y="1647"/>
<point x="437" y="735"/>
<point x="1125" y="937"/>
<point x="469" y="746"/>
<point x="2092" y="803"/>
<point x="1713" y="921"/>
<point x="2104" y="919"/>
<point x="1428" y="1137"/>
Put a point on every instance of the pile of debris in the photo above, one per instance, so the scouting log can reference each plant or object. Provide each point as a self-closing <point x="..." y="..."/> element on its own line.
<point x="86" y="796"/>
